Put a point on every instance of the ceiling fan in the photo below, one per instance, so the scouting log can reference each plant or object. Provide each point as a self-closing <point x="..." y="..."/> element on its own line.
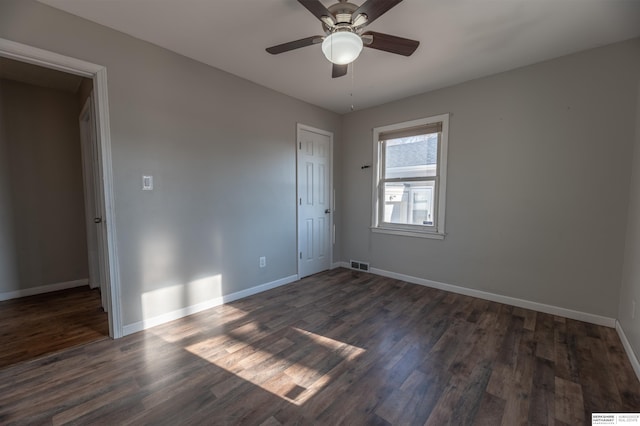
<point x="343" y="24"/>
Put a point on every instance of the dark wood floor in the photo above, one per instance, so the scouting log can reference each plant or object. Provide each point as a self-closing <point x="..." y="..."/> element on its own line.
<point x="336" y="348"/>
<point x="34" y="326"/>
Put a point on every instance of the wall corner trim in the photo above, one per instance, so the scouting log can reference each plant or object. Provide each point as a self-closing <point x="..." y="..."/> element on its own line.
<point x="521" y="303"/>
<point x="199" y="307"/>
<point x="43" y="289"/>
<point x="633" y="359"/>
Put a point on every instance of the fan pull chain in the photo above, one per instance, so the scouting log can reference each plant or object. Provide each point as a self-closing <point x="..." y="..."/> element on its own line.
<point x="353" y="72"/>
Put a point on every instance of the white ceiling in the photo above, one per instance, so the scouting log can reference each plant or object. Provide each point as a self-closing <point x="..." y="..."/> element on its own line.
<point x="460" y="40"/>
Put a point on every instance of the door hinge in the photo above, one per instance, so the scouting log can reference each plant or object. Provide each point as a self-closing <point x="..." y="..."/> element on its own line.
<point x="300" y="145"/>
<point x="300" y="255"/>
<point x="300" y="201"/>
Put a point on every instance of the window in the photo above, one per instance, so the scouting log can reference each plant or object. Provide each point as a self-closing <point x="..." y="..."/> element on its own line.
<point x="410" y="177"/>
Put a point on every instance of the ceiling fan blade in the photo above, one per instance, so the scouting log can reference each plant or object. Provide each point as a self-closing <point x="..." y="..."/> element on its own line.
<point x="303" y="42"/>
<point x="374" y="9"/>
<point x="389" y="43"/>
<point x="318" y="10"/>
<point x="339" y="70"/>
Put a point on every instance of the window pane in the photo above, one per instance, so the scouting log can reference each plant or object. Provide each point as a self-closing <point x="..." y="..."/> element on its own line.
<point x="414" y="156"/>
<point x="409" y="203"/>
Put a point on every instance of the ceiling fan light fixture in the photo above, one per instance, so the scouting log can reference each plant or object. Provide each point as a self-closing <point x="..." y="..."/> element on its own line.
<point x="342" y="47"/>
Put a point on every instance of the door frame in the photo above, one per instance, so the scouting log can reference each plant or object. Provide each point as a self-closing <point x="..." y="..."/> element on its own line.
<point x="98" y="73"/>
<point x="332" y="200"/>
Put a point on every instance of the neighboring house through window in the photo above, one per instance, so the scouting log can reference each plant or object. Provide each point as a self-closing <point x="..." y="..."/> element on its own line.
<point x="410" y="164"/>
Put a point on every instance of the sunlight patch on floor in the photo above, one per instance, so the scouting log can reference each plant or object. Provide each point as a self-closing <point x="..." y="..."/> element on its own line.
<point x="188" y="329"/>
<point x="267" y="367"/>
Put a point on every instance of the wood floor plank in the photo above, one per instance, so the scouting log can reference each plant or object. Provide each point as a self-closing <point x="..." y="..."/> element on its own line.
<point x="542" y="405"/>
<point x="461" y="399"/>
<point x="424" y="396"/>
<point x="338" y="348"/>
<point x="34" y="326"/>
<point x="599" y="390"/>
<point x="121" y="391"/>
<point x="490" y="411"/>
<point x="544" y="336"/>
<point x="569" y="405"/>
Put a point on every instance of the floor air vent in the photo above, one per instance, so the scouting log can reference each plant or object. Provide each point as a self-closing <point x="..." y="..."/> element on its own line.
<point x="359" y="266"/>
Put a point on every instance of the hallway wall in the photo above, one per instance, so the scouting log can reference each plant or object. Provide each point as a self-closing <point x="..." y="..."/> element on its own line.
<point x="42" y="229"/>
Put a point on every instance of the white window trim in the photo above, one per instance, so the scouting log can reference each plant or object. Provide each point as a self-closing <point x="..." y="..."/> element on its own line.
<point x="438" y="231"/>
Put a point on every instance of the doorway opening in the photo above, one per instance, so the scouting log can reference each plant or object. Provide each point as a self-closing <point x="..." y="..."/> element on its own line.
<point x="96" y="110"/>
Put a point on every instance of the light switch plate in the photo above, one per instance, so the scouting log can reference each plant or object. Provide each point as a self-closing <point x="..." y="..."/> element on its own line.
<point x="147" y="183"/>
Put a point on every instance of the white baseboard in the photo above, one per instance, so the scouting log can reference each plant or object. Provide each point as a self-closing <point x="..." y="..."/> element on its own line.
<point x="339" y="265"/>
<point x="521" y="303"/>
<point x="190" y="310"/>
<point x="43" y="289"/>
<point x="633" y="359"/>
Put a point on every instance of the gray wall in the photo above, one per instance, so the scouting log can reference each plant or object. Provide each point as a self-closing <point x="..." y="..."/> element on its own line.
<point x="8" y="264"/>
<point x="84" y="91"/>
<point x="41" y="197"/>
<point x="631" y="272"/>
<point x="222" y="153"/>
<point x="538" y="182"/>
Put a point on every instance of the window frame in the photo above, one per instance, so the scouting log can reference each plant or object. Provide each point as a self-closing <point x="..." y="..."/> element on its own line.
<point x="437" y="230"/>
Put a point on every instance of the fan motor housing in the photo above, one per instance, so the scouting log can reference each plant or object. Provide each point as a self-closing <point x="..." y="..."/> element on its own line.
<point x="342" y="12"/>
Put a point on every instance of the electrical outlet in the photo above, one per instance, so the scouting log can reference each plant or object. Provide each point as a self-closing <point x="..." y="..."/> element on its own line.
<point x="633" y="309"/>
<point x="263" y="261"/>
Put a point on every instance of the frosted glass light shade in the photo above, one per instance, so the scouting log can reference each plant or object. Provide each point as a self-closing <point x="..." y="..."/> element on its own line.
<point x="342" y="47"/>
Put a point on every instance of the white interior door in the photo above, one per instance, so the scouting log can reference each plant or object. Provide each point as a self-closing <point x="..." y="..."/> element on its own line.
<point x="315" y="220"/>
<point x="93" y="201"/>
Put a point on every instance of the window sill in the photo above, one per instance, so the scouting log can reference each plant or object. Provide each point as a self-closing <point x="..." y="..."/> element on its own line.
<point x="407" y="233"/>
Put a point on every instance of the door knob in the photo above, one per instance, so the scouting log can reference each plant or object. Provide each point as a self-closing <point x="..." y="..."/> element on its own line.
<point x="97" y="220"/>
<point x="327" y="211"/>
